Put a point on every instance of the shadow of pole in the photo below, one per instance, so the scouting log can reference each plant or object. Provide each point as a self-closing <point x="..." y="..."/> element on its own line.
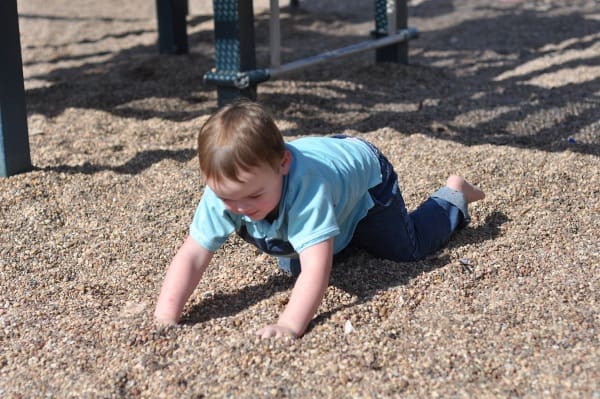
<point x="140" y="162"/>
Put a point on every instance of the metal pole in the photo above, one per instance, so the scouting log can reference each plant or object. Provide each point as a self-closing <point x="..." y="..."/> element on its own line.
<point x="234" y="47"/>
<point x="172" y="26"/>
<point x="390" y="17"/>
<point x="390" y="7"/>
<point x="401" y="36"/>
<point x="274" y="34"/>
<point x="14" y="140"/>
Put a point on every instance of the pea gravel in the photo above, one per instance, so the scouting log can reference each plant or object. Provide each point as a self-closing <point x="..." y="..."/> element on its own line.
<point x="506" y="93"/>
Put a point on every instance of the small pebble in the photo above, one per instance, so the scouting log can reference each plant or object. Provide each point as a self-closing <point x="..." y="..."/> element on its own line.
<point x="348" y="327"/>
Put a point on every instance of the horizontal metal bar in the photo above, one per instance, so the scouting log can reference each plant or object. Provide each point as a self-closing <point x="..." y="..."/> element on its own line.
<point x="400" y="36"/>
<point x="237" y="79"/>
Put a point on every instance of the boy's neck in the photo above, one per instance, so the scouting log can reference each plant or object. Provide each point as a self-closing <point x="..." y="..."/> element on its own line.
<point x="272" y="215"/>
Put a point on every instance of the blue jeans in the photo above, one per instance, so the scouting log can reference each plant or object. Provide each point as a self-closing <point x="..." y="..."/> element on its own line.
<point x="390" y="232"/>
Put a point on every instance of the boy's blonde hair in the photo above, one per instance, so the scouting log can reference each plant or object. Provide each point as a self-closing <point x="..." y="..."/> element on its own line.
<point x="236" y="138"/>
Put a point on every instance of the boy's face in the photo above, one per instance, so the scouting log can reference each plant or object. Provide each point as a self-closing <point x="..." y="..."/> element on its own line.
<point x="257" y="194"/>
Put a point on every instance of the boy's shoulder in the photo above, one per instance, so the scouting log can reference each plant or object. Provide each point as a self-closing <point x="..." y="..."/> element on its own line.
<point x="308" y="141"/>
<point x="333" y="149"/>
<point x="320" y="144"/>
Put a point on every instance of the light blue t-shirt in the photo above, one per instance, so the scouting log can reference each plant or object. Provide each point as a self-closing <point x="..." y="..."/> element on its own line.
<point x="325" y="194"/>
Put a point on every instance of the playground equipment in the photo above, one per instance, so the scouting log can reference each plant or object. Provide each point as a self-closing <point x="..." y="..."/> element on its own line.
<point x="235" y="73"/>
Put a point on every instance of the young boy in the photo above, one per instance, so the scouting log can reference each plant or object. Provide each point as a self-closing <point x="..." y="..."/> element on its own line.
<point x="302" y="201"/>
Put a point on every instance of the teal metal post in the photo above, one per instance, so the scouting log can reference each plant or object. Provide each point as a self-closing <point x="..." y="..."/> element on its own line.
<point x="14" y="140"/>
<point x="396" y="52"/>
<point x="235" y="56"/>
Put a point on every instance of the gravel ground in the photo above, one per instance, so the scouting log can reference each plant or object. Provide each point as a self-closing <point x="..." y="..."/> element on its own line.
<point x="506" y="93"/>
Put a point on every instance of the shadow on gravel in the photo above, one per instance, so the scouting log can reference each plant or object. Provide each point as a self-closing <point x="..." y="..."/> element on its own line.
<point x="477" y="79"/>
<point x="364" y="276"/>
<point x="489" y="230"/>
<point x="474" y="83"/>
<point x="228" y="304"/>
<point x="140" y="162"/>
<point x="354" y="271"/>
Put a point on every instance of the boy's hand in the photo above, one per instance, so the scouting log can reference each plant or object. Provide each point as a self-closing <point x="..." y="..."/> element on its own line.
<point x="276" y="331"/>
<point x="182" y="277"/>
<point x="307" y="293"/>
<point x="164" y="320"/>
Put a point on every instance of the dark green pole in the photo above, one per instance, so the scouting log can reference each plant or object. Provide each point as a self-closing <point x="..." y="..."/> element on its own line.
<point x="14" y="140"/>
<point x="172" y="26"/>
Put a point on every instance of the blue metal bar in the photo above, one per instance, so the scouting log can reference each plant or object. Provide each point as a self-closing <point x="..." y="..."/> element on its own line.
<point x="172" y="26"/>
<point x="386" y="41"/>
<point x="14" y="140"/>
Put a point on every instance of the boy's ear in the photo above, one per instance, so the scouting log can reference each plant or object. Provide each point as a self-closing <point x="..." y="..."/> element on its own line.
<point x="286" y="162"/>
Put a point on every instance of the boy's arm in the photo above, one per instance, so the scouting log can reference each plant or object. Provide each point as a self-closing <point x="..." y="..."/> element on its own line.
<point x="307" y="294"/>
<point x="182" y="277"/>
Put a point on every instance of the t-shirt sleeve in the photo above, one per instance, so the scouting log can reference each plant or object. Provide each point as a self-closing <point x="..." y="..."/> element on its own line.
<point x="311" y="217"/>
<point x="211" y="224"/>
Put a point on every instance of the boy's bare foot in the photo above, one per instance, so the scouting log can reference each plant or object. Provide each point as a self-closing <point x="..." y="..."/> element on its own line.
<point x="472" y="193"/>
